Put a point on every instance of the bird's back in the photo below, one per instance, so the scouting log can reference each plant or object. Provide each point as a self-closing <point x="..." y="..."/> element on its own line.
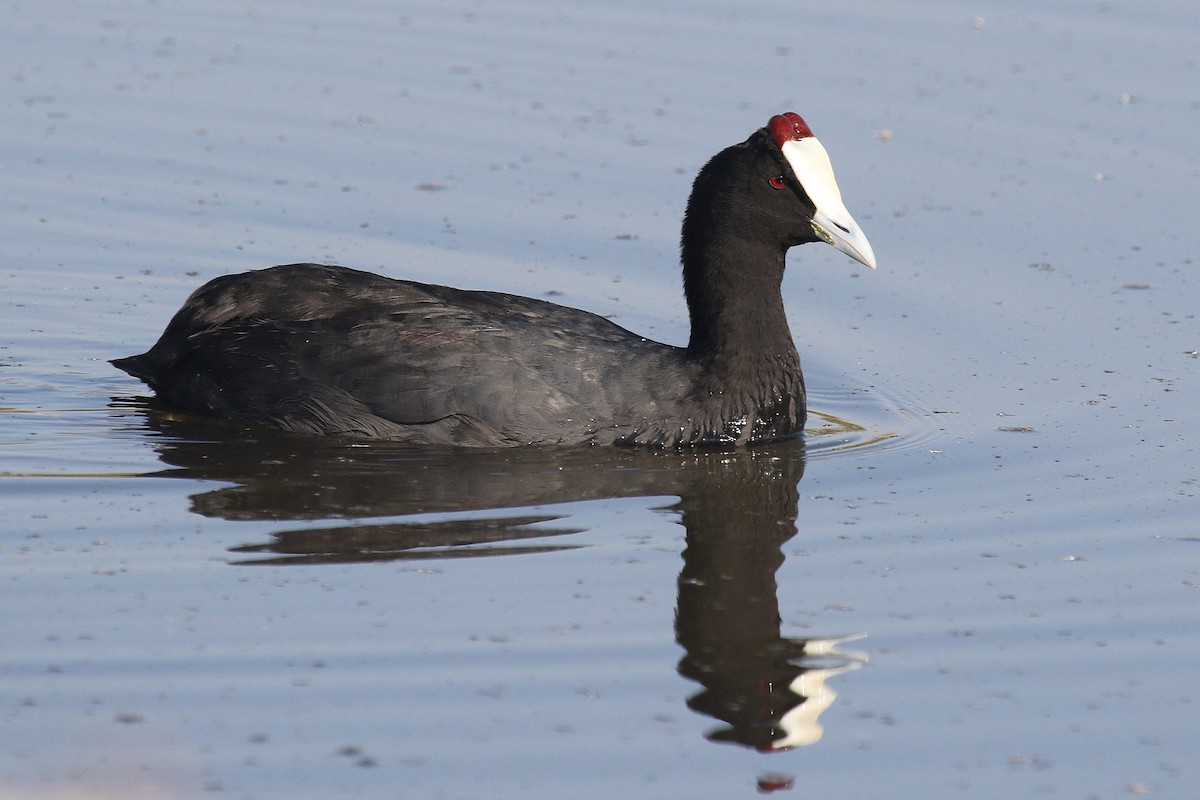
<point x="330" y="350"/>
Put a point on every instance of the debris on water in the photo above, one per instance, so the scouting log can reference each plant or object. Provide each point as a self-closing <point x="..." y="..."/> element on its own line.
<point x="356" y="754"/>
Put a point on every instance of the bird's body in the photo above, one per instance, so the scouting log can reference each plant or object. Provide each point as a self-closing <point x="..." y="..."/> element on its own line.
<point x="329" y="350"/>
<point x="374" y="357"/>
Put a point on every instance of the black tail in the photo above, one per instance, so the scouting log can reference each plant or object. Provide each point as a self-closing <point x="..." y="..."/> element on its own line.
<point x="137" y="366"/>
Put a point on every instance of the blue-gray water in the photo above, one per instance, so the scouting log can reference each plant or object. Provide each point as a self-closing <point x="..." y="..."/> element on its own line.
<point x="999" y="491"/>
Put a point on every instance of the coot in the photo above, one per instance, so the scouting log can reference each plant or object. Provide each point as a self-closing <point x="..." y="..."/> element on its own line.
<point x="334" y="351"/>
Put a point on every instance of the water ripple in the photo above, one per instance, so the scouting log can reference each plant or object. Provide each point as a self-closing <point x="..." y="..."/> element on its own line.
<point x="861" y="422"/>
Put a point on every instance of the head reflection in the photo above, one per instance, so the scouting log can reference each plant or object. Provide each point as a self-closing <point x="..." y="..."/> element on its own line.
<point x="769" y="690"/>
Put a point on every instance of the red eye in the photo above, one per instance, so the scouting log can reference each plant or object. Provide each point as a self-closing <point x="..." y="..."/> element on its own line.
<point x="778" y="181"/>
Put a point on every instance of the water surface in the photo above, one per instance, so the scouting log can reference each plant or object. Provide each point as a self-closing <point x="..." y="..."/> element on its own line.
<point x="977" y="577"/>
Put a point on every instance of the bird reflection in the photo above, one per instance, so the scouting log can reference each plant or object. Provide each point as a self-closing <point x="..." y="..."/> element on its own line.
<point x="412" y="541"/>
<point x="739" y="508"/>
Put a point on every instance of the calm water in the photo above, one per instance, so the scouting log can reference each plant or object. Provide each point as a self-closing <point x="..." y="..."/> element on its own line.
<point x="978" y="577"/>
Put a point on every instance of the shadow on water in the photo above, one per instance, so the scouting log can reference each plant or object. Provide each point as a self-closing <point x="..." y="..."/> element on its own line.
<point x="738" y="507"/>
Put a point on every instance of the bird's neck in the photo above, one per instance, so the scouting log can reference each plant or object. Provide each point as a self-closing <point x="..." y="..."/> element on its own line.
<point x="739" y="327"/>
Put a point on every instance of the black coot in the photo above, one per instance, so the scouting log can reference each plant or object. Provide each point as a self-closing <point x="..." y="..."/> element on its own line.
<point x="334" y="351"/>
